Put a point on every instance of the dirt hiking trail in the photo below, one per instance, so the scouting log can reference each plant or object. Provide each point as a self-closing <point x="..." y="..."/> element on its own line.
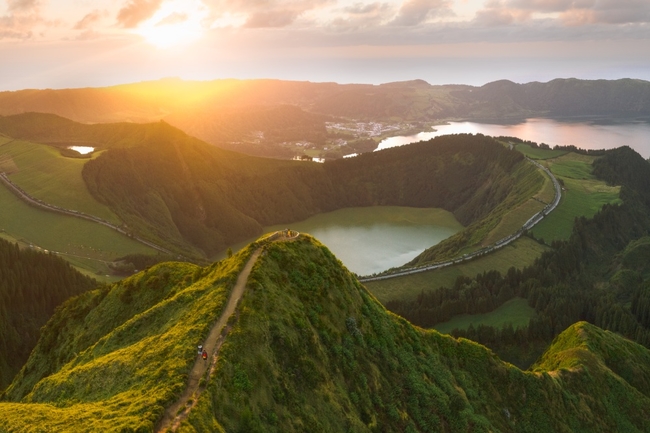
<point x="178" y="411"/>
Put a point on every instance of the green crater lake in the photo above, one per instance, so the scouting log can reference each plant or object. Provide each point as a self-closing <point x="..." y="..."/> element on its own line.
<point x="373" y="239"/>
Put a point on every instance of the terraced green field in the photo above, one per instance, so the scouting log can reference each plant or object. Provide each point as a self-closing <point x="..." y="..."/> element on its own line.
<point x="43" y="173"/>
<point x="516" y="312"/>
<point x="519" y="254"/>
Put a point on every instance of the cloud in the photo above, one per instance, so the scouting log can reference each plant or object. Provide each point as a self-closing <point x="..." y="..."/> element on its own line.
<point x="366" y="9"/>
<point x="276" y="18"/>
<point x="265" y="13"/>
<point x="566" y="12"/>
<point x="414" y="12"/>
<point x="173" y="18"/>
<point x="136" y="11"/>
<point x="89" y="19"/>
<point x="24" y="6"/>
<point x="361" y="16"/>
<point x="23" y="17"/>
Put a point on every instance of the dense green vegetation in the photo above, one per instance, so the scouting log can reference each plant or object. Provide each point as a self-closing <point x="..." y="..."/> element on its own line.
<point x="310" y="349"/>
<point x="591" y="276"/>
<point x="32" y="284"/>
<point x="515" y="207"/>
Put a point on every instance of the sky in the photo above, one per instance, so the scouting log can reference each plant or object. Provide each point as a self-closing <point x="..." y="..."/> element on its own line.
<point x="93" y="43"/>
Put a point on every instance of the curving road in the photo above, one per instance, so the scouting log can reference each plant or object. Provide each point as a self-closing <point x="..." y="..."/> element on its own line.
<point x="33" y="201"/>
<point x="499" y="244"/>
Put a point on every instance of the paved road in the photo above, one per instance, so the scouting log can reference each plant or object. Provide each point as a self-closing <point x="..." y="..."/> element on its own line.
<point x="499" y="244"/>
<point x="33" y="201"/>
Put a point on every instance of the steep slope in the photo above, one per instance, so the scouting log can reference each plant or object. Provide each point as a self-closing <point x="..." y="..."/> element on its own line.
<point x="312" y="350"/>
<point x="114" y="358"/>
<point x="337" y="361"/>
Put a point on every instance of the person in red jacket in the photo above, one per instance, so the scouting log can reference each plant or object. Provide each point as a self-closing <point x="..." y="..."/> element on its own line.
<point x="204" y="355"/>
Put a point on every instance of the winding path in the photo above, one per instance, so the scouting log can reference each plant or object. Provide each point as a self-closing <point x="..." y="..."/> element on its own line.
<point x="173" y="418"/>
<point x="499" y="244"/>
<point x="181" y="408"/>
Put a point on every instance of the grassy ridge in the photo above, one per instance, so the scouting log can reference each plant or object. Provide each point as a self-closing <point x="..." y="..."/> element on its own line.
<point x="515" y="208"/>
<point x="310" y="350"/>
<point x="115" y="357"/>
<point x="334" y="360"/>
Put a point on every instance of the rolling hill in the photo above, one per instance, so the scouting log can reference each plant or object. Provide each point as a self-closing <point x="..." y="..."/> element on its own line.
<point x="197" y="199"/>
<point x="256" y="116"/>
<point x="309" y="349"/>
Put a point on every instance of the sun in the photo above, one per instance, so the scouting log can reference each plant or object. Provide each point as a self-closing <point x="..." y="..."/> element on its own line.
<point x="176" y="22"/>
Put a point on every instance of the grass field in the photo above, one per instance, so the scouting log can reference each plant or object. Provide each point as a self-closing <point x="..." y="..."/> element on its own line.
<point x="60" y="233"/>
<point x="516" y="311"/>
<point x="537" y="153"/>
<point x="43" y="173"/>
<point x="584" y="196"/>
<point x="519" y="254"/>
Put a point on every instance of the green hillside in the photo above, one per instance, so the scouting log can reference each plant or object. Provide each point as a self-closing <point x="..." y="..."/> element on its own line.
<point x="310" y="349"/>
<point x="188" y="195"/>
<point x="44" y="173"/>
<point x="197" y="200"/>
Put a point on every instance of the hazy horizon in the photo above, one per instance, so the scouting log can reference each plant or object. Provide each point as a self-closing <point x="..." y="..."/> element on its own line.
<point x="79" y="43"/>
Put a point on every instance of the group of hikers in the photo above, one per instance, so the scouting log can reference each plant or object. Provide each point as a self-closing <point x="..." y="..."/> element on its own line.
<point x="202" y="353"/>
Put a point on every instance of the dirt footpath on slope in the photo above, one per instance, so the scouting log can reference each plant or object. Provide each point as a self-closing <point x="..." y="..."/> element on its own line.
<point x="174" y="415"/>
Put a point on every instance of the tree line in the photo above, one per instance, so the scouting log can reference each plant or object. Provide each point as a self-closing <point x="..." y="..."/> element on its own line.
<point x="32" y="285"/>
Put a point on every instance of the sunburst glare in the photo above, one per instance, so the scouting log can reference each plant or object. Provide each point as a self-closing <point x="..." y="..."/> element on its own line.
<point x="177" y="22"/>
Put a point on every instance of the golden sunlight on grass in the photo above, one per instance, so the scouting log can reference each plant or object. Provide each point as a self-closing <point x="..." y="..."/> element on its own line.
<point x="177" y="22"/>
